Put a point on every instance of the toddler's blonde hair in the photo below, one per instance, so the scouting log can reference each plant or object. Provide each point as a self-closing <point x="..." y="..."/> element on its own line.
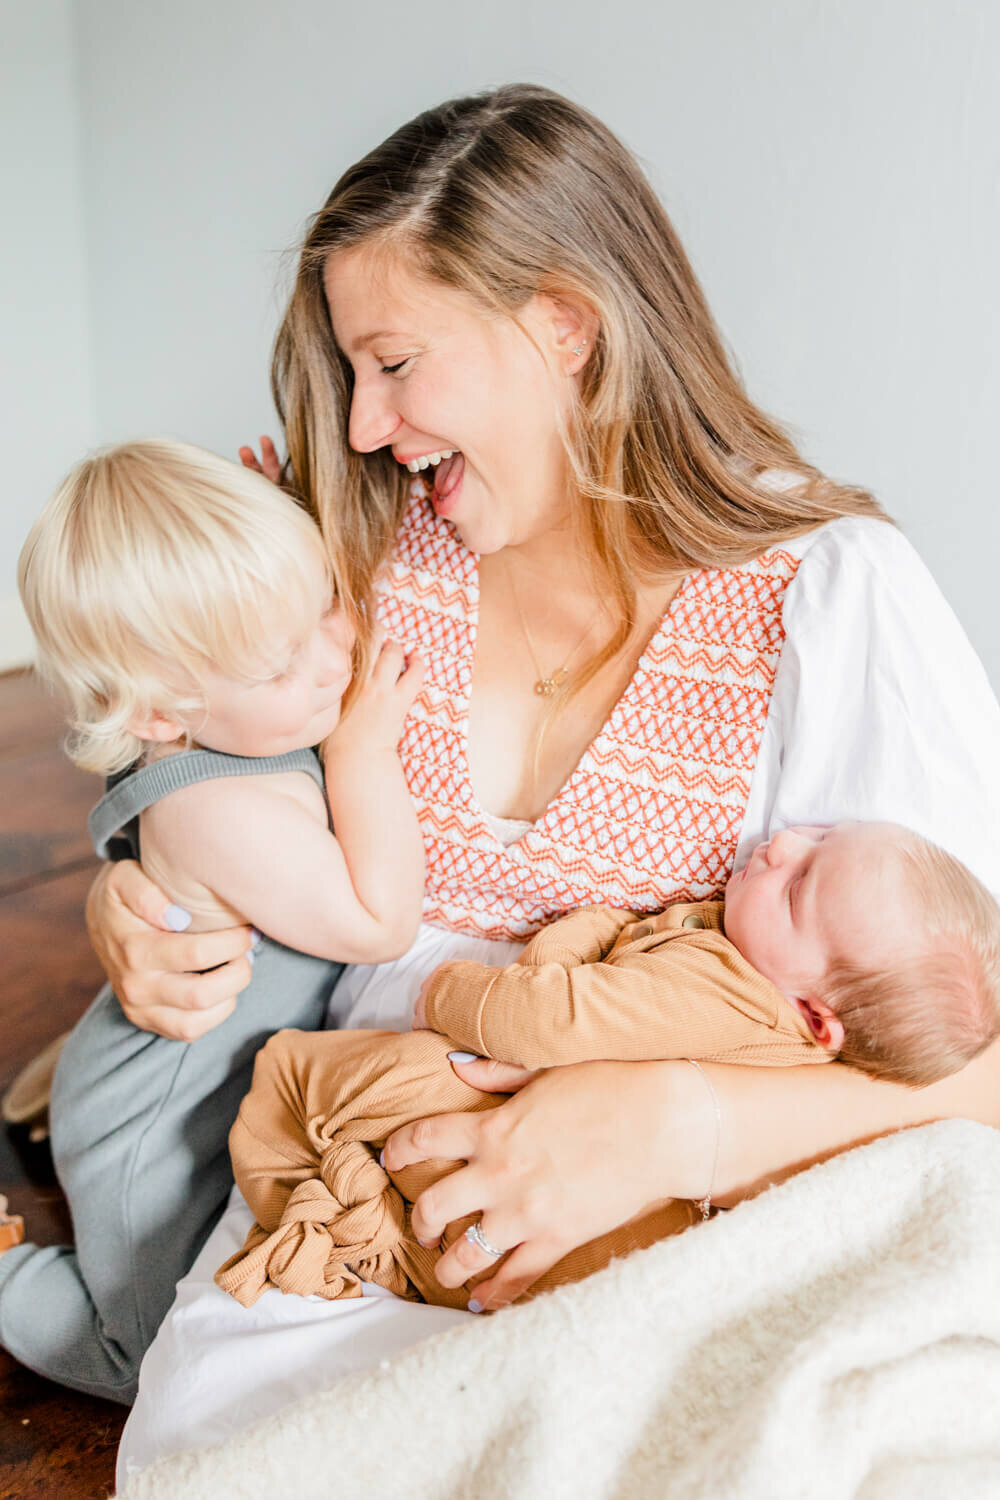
<point x="154" y="563"/>
<point x="927" y="1016"/>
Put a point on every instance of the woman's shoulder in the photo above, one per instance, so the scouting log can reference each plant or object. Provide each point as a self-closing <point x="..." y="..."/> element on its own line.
<point x="881" y="708"/>
<point x="857" y="571"/>
<point x="852" y="545"/>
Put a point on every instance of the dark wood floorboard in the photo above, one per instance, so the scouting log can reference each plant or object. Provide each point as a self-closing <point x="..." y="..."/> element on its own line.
<point x="53" y="1442"/>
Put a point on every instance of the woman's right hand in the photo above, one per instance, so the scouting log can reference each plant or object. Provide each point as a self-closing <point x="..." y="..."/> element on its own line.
<point x="156" y="971"/>
<point x="269" y="464"/>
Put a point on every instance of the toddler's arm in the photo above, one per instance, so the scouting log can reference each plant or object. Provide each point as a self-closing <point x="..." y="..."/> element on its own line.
<point x="696" y="998"/>
<point x="370" y="806"/>
<point x="354" y="894"/>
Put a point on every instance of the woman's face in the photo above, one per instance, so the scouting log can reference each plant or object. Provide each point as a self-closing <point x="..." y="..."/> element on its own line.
<point x="434" y="374"/>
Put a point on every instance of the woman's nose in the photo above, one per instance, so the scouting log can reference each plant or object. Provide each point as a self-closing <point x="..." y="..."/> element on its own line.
<point x="373" y="419"/>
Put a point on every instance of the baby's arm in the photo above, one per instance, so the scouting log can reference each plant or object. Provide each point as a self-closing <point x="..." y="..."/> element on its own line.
<point x="696" y="998"/>
<point x="268" y="854"/>
<point x="581" y="937"/>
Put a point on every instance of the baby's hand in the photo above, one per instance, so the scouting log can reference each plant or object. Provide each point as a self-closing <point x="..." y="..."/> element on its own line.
<point x="375" y="719"/>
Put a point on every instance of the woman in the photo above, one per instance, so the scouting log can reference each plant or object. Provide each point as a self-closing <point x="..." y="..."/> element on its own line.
<point x="653" y="633"/>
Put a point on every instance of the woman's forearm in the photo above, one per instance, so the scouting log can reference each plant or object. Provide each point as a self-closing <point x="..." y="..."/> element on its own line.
<point x="777" y="1121"/>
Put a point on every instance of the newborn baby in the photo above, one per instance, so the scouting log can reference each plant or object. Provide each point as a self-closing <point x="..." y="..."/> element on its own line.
<point x="861" y="942"/>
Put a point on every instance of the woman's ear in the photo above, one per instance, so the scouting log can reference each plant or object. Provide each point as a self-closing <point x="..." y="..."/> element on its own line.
<point x="572" y="326"/>
<point x="157" y="728"/>
<point x="823" y="1023"/>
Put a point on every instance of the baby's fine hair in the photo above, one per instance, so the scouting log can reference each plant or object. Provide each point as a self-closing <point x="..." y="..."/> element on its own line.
<point x="929" y="1015"/>
<point x="153" y="564"/>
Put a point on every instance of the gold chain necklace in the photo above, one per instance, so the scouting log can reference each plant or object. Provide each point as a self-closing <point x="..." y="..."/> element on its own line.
<point x="545" y="686"/>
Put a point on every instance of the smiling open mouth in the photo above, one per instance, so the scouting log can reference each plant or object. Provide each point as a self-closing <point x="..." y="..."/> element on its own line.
<point x="430" y="460"/>
<point x="447" y="466"/>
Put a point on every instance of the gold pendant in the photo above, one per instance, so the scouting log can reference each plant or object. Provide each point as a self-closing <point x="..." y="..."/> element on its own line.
<point x="546" y="686"/>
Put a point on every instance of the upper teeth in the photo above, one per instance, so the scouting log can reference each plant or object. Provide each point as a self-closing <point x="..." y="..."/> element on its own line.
<point x="428" y="461"/>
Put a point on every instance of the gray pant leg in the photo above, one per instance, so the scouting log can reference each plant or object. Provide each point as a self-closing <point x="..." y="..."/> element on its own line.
<point x="139" y="1136"/>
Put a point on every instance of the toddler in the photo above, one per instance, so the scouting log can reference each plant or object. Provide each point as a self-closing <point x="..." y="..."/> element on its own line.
<point x="862" y="942"/>
<point x="184" y="608"/>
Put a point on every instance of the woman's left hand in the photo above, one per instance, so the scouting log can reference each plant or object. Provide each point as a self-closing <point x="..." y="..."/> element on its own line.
<point x="578" y="1151"/>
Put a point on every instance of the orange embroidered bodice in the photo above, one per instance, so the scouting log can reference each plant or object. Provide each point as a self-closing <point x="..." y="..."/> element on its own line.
<point x="653" y="810"/>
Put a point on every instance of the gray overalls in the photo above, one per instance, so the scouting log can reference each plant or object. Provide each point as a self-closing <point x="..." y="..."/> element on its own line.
<point x="139" y="1130"/>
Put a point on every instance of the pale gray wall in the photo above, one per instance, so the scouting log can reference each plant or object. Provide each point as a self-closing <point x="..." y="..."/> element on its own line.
<point x="46" y="389"/>
<point x="833" y="166"/>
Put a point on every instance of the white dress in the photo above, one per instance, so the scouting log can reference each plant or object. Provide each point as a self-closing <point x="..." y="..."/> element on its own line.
<point x="880" y="709"/>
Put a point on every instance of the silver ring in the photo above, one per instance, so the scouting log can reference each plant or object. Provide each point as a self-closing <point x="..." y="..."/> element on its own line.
<point x="475" y="1236"/>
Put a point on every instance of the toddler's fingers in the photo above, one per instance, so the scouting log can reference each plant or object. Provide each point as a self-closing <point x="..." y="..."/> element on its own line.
<point x="269" y="458"/>
<point x="249" y="460"/>
<point x="412" y="677"/>
<point x="389" y="665"/>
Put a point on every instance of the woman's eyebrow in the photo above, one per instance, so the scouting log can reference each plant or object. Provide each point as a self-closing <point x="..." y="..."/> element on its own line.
<point x="371" y="338"/>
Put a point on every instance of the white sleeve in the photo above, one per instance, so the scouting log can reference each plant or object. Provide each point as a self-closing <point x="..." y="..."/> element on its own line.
<point x="881" y="709"/>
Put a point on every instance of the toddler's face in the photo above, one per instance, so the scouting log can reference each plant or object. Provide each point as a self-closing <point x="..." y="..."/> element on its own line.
<point x="296" y="701"/>
<point x="810" y="897"/>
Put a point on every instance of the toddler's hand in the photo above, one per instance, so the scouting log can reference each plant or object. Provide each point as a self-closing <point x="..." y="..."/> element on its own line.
<point x="375" y="719"/>
<point x="269" y="464"/>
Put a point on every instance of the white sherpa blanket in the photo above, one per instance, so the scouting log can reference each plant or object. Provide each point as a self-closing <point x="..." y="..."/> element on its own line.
<point x="838" y="1336"/>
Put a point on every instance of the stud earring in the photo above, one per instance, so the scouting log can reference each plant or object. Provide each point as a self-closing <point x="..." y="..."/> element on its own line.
<point x="580" y="347"/>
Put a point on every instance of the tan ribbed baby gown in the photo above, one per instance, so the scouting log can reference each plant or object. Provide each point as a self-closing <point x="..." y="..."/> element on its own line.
<point x="305" y="1151"/>
<point x="597" y="983"/>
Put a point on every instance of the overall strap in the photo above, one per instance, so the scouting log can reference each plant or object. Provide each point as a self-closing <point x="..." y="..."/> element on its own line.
<point x="134" y="791"/>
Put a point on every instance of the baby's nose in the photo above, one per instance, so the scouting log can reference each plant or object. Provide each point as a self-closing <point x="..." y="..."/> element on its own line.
<point x="783" y="846"/>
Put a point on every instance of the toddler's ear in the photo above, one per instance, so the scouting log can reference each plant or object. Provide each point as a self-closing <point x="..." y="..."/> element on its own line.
<point x="823" y="1023"/>
<point x="158" y="728"/>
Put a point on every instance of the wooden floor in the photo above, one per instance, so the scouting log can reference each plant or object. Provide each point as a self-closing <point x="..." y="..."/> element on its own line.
<point x="53" y="1443"/>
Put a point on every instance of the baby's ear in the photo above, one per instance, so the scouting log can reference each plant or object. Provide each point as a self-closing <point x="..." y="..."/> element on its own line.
<point x="823" y="1023"/>
<point x="158" y="728"/>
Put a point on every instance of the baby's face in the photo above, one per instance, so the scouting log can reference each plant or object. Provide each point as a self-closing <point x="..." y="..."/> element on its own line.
<point x="809" y="897"/>
<point x="295" y="702"/>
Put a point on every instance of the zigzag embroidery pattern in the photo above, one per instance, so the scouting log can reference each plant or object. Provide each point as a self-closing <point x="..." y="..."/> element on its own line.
<point x="652" y="812"/>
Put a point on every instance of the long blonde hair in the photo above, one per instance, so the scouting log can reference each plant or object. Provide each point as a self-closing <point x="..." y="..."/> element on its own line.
<point x="505" y="195"/>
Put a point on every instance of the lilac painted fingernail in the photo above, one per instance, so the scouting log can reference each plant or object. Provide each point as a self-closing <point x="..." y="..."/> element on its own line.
<point x="177" y="919"/>
<point x="381" y="1158"/>
<point x="251" y="955"/>
<point x="464" y="1057"/>
<point x="475" y="1306"/>
<point x="256" y="938"/>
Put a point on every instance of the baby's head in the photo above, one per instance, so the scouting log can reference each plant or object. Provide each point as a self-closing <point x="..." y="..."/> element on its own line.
<point x="176" y="598"/>
<point x="887" y="945"/>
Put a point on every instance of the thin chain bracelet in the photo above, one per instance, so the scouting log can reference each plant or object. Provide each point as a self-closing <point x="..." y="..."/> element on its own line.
<point x="704" y="1205"/>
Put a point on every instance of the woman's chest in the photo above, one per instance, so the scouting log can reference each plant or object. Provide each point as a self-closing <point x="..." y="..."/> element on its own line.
<point x="523" y="746"/>
<point x="637" y="786"/>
